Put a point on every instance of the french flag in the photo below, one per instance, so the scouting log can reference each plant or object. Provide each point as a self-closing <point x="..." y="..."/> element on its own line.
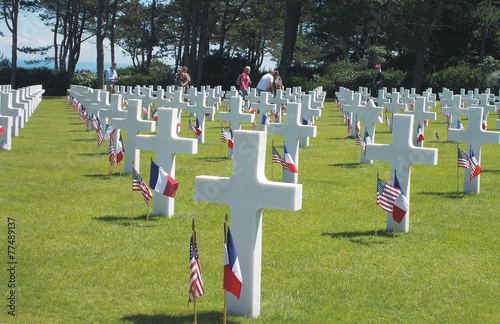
<point x="120" y="150"/>
<point x="232" y="273"/>
<point x="230" y="142"/>
<point x="162" y="182"/>
<point x="420" y="135"/>
<point x="289" y="161"/>
<point x="265" y="120"/>
<point x="401" y="203"/>
<point x="2" y="130"/>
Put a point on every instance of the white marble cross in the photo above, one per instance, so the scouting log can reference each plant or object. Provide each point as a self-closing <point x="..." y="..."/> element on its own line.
<point x="474" y="136"/>
<point x="453" y="108"/>
<point x="279" y="101"/>
<point x="401" y="154"/>
<point x="352" y="109"/>
<point x="292" y="130"/>
<point x="166" y="144"/>
<point x="200" y="109"/>
<point x="17" y="114"/>
<point x="369" y="115"/>
<point x="236" y="116"/>
<point x="263" y="106"/>
<point x="309" y="114"/>
<point x="247" y="192"/>
<point x="6" y="137"/>
<point x="394" y="106"/>
<point x="420" y="115"/>
<point x="133" y="124"/>
<point x="484" y="101"/>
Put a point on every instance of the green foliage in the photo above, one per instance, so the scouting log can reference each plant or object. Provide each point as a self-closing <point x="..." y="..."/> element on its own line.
<point x="4" y="62"/>
<point x="457" y="77"/>
<point x="85" y="78"/>
<point x="86" y="253"/>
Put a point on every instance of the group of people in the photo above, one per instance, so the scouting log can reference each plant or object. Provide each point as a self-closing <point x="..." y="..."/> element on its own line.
<point x="269" y="82"/>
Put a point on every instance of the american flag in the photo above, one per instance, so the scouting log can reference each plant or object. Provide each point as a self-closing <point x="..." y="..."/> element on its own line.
<point x="100" y="136"/>
<point x="112" y="155"/>
<point x="463" y="159"/>
<point x="139" y="185"/>
<point x="196" y="288"/>
<point x="359" y="141"/>
<point x="224" y="135"/>
<point x="386" y="195"/>
<point x="195" y="128"/>
<point x="277" y="158"/>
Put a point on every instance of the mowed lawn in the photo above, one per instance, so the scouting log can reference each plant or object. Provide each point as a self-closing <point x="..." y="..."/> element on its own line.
<point x="85" y="252"/>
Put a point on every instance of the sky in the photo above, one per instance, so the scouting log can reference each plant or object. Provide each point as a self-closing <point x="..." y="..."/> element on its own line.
<point x="33" y="33"/>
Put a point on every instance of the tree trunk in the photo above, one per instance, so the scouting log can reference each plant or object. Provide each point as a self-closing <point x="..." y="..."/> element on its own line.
<point x="292" y="19"/>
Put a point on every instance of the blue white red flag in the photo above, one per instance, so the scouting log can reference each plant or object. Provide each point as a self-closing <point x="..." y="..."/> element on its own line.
<point x="120" y="150"/>
<point x="232" y="273"/>
<point x="289" y="161"/>
<point x="401" y="204"/>
<point x="162" y="182"/>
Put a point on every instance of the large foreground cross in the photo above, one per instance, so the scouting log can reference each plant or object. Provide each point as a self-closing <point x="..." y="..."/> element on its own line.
<point x="401" y="154"/>
<point x="247" y="192"/>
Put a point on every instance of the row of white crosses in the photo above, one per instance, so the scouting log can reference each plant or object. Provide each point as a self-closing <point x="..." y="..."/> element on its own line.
<point x="247" y="191"/>
<point x="16" y="106"/>
<point x="401" y="153"/>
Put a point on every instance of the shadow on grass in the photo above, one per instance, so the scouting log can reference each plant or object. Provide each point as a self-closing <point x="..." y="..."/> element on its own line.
<point x="104" y="176"/>
<point x="451" y="195"/>
<point x="84" y="140"/>
<point x="93" y="154"/>
<point x="202" y="317"/>
<point x="347" y="165"/>
<point x="223" y="158"/>
<point x="363" y="238"/>
<point x="138" y="221"/>
<point x="491" y="171"/>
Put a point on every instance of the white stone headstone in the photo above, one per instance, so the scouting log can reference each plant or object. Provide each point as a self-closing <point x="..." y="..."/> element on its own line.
<point x="247" y="192"/>
<point x="474" y="136"/>
<point x="292" y="130"/>
<point x="401" y="154"/>
<point x="166" y="143"/>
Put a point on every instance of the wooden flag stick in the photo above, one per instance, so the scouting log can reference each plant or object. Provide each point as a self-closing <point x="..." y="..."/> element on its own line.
<point x="393" y="228"/>
<point x="457" y="167"/>
<point x="220" y="144"/>
<point x="194" y="294"/>
<point x="147" y="214"/>
<point x="376" y="209"/>
<point x="225" y="292"/>
<point x="272" y="164"/>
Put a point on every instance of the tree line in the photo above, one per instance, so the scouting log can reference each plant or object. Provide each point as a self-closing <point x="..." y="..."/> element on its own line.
<point x="419" y="37"/>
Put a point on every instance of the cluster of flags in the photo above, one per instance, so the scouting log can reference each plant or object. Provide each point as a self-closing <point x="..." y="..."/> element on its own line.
<point x="227" y="136"/>
<point x="363" y="142"/>
<point x="232" y="279"/>
<point x="159" y="181"/>
<point x="195" y="127"/>
<point x="392" y="199"/>
<point x="469" y="162"/>
<point x="286" y="161"/>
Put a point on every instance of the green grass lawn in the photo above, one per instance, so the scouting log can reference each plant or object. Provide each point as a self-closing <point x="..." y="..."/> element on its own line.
<point x="83" y="257"/>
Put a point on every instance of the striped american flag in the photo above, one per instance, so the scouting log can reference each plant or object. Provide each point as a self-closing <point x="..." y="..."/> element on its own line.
<point x="196" y="287"/>
<point x="139" y="185"/>
<point x="112" y="155"/>
<point x="386" y="195"/>
<point x="277" y="158"/>
<point x="463" y="160"/>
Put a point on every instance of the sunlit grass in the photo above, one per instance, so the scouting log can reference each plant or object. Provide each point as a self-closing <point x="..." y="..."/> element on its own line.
<point x="83" y="257"/>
